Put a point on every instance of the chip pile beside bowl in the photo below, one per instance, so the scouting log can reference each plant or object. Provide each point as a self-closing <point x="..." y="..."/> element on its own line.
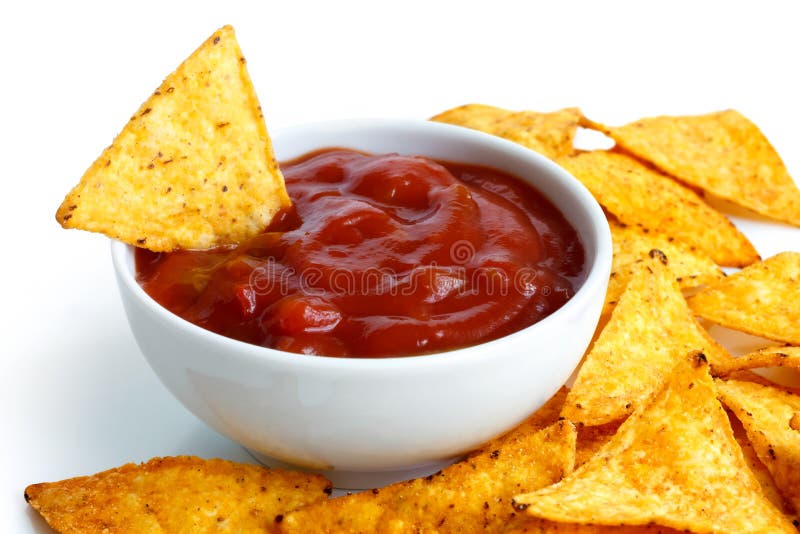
<point x="662" y="429"/>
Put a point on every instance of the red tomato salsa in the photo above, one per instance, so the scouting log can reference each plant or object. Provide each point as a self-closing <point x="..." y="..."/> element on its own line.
<point x="380" y="256"/>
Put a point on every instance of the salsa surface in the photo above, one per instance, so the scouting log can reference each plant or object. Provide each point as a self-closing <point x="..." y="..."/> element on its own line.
<point x="380" y="256"/>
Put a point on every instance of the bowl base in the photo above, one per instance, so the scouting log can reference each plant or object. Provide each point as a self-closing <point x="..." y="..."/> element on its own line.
<point x="356" y="480"/>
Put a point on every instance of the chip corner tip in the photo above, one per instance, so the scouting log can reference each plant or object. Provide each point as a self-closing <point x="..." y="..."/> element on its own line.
<point x="226" y="30"/>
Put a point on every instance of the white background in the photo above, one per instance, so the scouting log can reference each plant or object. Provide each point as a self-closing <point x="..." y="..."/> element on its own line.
<point x="76" y="395"/>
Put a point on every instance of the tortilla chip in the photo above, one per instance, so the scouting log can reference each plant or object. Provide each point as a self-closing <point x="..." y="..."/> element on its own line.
<point x="551" y="134"/>
<point x="722" y="153"/>
<point x="177" y="494"/>
<point x="674" y="463"/>
<point x="470" y="496"/>
<point x="757" y="467"/>
<point x="475" y="116"/>
<point x="760" y="300"/>
<point x="768" y="357"/>
<point x="194" y="166"/>
<point x="766" y="413"/>
<point x="639" y="196"/>
<point x="690" y="267"/>
<point x="650" y="330"/>
<point x="592" y="439"/>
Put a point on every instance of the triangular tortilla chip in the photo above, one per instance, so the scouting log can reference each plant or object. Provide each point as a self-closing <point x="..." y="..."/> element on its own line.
<point x="193" y="167"/>
<point x="768" y="357"/>
<point x="650" y="330"/>
<point x="639" y="196"/>
<point x="757" y="467"/>
<point x="471" y="496"/>
<point x="551" y="134"/>
<point x="674" y="462"/>
<point x="766" y="414"/>
<point x="690" y="267"/>
<point x="761" y="300"/>
<point x="177" y="494"/>
<point x="722" y="153"/>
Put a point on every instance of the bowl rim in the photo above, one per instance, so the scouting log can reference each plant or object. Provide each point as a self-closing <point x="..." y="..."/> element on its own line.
<point x="597" y="268"/>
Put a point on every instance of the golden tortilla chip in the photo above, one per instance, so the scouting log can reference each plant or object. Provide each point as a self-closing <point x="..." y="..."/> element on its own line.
<point x="761" y="300"/>
<point x="471" y="496"/>
<point x="592" y="439"/>
<point x="194" y="166"/>
<point x="650" y="330"/>
<point x="178" y="494"/>
<point x="768" y="357"/>
<point x="762" y="474"/>
<point x="690" y="267"/>
<point x="766" y="414"/>
<point x="475" y="116"/>
<point x="551" y="134"/>
<point x="674" y="463"/>
<point x="639" y="196"/>
<point x="722" y="153"/>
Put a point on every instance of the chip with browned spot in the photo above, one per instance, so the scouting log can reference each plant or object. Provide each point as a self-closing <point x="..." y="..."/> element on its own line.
<point x="551" y="134"/>
<point x="690" y="267"/>
<point x="722" y="153"/>
<point x="674" y="462"/>
<point x="761" y="300"/>
<point x="642" y="197"/>
<point x="193" y="167"/>
<point x="175" y="494"/>
<point x="649" y="331"/>
<point x="471" y="496"/>
<point x="766" y="414"/>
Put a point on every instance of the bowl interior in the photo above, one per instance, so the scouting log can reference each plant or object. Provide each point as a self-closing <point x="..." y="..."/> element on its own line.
<point x="437" y="141"/>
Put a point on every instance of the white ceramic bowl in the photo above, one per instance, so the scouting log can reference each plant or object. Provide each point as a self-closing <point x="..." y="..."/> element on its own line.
<point x="369" y="421"/>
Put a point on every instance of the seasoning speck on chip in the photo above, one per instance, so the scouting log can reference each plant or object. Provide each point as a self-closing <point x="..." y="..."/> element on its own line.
<point x="193" y="167"/>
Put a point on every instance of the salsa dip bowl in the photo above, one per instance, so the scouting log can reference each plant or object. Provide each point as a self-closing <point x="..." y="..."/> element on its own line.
<point x="369" y="421"/>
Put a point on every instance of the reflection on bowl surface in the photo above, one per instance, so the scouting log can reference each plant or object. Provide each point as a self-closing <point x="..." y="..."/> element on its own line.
<point x="358" y="419"/>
